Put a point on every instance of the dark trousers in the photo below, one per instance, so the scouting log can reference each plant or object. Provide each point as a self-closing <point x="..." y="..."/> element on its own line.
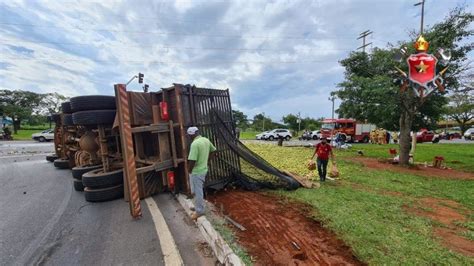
<point x="322" y="169"/>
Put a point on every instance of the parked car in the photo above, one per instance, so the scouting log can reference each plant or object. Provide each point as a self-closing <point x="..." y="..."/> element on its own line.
<point x="43" y="136"/>
<point x="450" y="135"/>
<point x="259" y="136"/>
<point x="274" y="134"/>
<point x="469" y="134"/>
<point x="426" y="136"/>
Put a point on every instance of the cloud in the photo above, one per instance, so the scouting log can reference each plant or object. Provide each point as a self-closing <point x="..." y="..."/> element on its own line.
<point x="276" y="57"/>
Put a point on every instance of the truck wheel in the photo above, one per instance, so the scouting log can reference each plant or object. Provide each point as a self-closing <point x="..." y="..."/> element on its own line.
<point x="56" y="118"/>
<point x="51" y="158"/>
<point x="92" y="102"/>
<point x="61" y="163"/>
<point x="66" y="107"/>
<point x="67" y="120"/>
<point x="365" y="139"/>
<point x="78" y="171"/>
<point x="94" y="117"/>
<point x="78" y="186"/>
<point x="436" y="140"/>
<point x="103" y="194"/>
<point x="98" y="179"/>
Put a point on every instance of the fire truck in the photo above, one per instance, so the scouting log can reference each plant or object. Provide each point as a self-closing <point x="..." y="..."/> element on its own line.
<point x="351" y="130"/>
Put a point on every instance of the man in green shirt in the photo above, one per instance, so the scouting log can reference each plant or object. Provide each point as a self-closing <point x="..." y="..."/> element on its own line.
<point x="199" y="154"/>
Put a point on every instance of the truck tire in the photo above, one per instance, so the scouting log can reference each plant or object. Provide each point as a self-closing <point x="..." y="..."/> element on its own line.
<point x="78" y="186"/>
<point x="66" y="107"/>
<point x="67" y="120"/>
<point x="103" y="194"/>
<point x="94" y="117"/>
<point x="61" y="163"/>
<point x="365" y="139"/>
<point x="78" y="171"/>
<point x="56" y="118"/>
<point x="98" y="179"/>
<point x="51" y="158"/>
<point x="92" y="102"/>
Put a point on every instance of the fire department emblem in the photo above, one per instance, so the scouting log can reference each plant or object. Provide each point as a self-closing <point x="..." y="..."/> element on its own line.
<point x="422" y="68"/>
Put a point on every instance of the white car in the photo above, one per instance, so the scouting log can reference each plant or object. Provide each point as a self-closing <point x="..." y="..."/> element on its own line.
<point x="43" y="136"/>
<point x="259" y="136"/>
<point x="469" y="134"/>
<point x="316" y="134"/>
<point x="274" y="134"/>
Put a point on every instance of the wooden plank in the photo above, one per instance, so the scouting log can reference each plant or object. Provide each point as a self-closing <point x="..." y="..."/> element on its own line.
<point x="154" y="128"/>
<point x="302" y="180"/>
<point x="157" y="167"/>
<point x="181" y="131"/>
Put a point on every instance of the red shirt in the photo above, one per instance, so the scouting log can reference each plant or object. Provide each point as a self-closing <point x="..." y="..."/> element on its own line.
<point x="323" y="151"/>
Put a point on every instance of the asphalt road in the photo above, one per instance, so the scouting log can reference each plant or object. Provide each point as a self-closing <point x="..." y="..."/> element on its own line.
<point x="44" y="221"/>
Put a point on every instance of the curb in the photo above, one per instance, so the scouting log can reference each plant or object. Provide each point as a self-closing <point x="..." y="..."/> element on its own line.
<point x="221" y="249"/>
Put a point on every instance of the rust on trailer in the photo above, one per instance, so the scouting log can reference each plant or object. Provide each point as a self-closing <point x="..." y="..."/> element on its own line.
<point x="104" y="152"/>
<point x="130" y="174"/>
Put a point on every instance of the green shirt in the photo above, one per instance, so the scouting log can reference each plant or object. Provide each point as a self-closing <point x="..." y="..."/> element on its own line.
<point x="199" y="152"/>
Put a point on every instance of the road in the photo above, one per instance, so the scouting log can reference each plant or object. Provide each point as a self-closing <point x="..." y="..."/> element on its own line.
<point x="44" y="221"/>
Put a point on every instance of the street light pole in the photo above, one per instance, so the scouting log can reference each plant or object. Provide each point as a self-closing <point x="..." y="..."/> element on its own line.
<point x="332" y="98"/>
<point x="263" y="113"/>
<point x="422" y="3"/>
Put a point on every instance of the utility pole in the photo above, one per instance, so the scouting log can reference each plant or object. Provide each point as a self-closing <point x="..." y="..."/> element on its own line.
<point x="332" y="98"/>
<point x="422" y="3"/>
<point x="299" y="122"/>
<point x="263" y="113"/>
<point x="362" y="36"/>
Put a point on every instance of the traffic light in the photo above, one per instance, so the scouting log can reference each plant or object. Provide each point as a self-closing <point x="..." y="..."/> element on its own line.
<point x="140" y="78"/>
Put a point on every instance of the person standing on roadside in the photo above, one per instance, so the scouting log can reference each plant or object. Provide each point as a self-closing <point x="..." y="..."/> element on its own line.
<point x="200" y="152"/>
<point x="323" y="150"/>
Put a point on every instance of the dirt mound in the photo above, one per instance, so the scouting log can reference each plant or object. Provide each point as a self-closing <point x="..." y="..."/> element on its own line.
<point x="419" y="170"/>
<point x="449" y="214"/>
<point x="281" y="233"/>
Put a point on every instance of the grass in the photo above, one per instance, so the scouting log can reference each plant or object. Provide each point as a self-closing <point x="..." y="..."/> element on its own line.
<point x="248" y="134"/>
<point x="456" y="156"/>
<point x="229" y="237"/>
<point x="373" y="222"/>
<point x="26" y="131"/>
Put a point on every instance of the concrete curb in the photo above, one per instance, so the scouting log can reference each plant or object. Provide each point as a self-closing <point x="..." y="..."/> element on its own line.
<point x="221" y="249"/>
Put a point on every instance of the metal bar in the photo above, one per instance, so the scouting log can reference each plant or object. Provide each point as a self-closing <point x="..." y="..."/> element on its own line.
<point x="173" y="145"/>
<point x="104" y="153"/>
<point x="157" y="167"/>
<point x="236" y="224"/>
<point x="130" y="174"/>
<point x="182" y="137"/>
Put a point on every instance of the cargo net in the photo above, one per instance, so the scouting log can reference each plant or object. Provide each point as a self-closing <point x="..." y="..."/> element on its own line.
<point x="255" y="173"/>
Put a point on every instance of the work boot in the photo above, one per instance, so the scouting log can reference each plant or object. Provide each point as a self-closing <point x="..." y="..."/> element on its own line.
<point x="196" y="215"/>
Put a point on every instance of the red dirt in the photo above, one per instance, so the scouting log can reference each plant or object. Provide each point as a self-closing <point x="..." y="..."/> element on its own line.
<point x="272" y="225"/>
<point x="446" y="212"/>
<point x="423" y="171"/>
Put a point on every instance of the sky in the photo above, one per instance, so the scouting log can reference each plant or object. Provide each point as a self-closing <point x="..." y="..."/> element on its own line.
<point x="276" y="57"/>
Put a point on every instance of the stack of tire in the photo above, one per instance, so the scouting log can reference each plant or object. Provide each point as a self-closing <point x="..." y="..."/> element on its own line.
<point x="91" y="111"/>
<point x="64" y="163"/>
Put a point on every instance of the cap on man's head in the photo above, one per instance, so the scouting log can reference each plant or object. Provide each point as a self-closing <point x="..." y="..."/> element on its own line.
<point x="192" y="130"/>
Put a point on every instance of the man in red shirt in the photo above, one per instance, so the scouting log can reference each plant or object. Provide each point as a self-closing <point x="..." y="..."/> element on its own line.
<point x="323" y="150"/>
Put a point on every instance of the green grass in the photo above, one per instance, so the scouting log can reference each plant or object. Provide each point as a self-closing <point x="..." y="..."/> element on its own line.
<point x="26" y="131"/>
<point x="374" y="222"/>
<point x="456" y="156"/>
<point x="248" y="134"/>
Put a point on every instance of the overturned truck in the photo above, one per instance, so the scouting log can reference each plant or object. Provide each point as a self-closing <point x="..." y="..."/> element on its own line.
<point x="144" y="151"/>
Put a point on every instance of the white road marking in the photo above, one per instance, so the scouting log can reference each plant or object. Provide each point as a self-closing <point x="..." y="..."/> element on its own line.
<point x="168" y="246"/>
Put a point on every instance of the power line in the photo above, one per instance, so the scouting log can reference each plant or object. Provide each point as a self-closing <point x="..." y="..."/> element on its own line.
<point x="362" y="36"/>
<point x="178" y="33"/>
<point x="164" y="47"/>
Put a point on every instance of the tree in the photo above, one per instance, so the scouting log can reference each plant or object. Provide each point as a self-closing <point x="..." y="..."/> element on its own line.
<point x="368" y="91"/>
<point x="19" y="105"/>
<point x="51" y="102"/>
<point x="291" y="121"/>
<point x="461" y="108"/>
<point x="260" y="122"/>
<point x="240" y="119"/>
